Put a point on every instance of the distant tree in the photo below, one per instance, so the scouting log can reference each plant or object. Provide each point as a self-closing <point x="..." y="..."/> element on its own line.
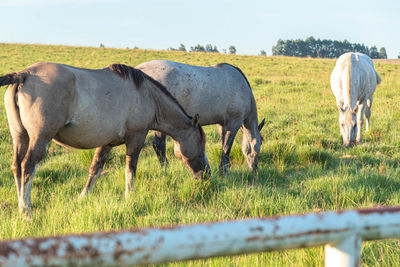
<point x="278" y="49"/>
<point x="398" y="56"/>
<point x="382" y="53"/>
<point x="361" y="48"/>
<point x="312" y="47"/>
<point x="102" y="45"/>
<point x="263" y="53"/>
<point x="197" y="48"/>
<point x="232" y="50"/>
<point x="182" y="48"/>
<point x="373" y="52"/>
<point x="210" y="48"/>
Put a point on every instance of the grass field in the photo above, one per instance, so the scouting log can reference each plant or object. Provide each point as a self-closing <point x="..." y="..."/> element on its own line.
<point x="302" y="166"/>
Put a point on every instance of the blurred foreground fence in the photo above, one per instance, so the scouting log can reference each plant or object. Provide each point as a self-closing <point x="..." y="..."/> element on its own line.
<point x="341" y="232"/>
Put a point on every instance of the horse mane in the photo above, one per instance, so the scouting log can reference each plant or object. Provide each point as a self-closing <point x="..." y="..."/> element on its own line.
<point x="138" y="77"/>
<point x="127" y="72"/>
<point x="219" y="65"/>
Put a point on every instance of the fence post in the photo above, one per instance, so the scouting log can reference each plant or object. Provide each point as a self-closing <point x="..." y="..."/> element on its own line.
<point x="344" y="253"/>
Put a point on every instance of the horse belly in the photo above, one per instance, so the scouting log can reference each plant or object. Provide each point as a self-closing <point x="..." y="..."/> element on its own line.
<point x="90" y="134"/>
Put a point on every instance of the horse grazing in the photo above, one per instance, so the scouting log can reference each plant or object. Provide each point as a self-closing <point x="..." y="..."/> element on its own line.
<point x="221" y="95"/>
<point x="85" y="109"/>
<point x="353" y="82"/>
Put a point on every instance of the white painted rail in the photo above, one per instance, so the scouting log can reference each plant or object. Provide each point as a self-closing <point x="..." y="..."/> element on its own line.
<point x="342" y="232"/>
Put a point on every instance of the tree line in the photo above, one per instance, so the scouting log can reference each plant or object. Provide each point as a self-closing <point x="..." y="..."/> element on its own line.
<point x="312" y="47"/>
<point x="207" y="48"/>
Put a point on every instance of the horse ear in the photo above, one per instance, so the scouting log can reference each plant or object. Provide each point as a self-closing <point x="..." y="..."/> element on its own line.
<point x="261" y="125"/>
<point x="195" y="120"/>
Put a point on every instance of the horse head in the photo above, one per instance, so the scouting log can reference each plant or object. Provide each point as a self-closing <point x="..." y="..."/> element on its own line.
<point x="190" y="149"/>
<point x="251" y="146"/>
<point x="348" y="125"/>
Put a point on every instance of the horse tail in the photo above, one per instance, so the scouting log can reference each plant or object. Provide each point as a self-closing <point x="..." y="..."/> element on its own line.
<point x="15" y="80"/>
<point x="12" y="78"/>
<point x="347" y="68"/>
<point x="378" y="78"/>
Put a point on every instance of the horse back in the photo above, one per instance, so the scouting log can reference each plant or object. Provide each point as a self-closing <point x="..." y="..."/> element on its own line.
<point x="217" y="93"/>
<point x="353" y="79"/>
<point x="79" y="107"/>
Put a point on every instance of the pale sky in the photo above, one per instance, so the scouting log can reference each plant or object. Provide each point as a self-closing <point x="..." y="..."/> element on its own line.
<point x="249" y="25"/>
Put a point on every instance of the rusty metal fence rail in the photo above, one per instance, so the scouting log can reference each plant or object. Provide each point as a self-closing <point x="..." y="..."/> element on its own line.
<point x="341" y="232"/>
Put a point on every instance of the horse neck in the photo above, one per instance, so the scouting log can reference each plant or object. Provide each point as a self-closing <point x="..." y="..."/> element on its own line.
<point x="170" y="117"/>
<point x="250" y="134"/>
<point x="250" y="127"/>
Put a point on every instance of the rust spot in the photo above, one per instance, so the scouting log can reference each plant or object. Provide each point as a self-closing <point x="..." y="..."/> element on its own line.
<point x="256" y="229"/>
<point x="70" y="249"/>
<point x="118" y="251"/>
<point x="169" y="227"/>
<point x="158" y="244"/>
<point x="253" y="238"/>
<point x="314" y="232"/>
<point x="380" y="210"/>
<point x="5" y="251"/>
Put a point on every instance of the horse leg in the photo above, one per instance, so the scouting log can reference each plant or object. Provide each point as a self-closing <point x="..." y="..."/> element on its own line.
<point x="368" y="113"/>
<point x="96" y="167"/>
<point x="160" y="147"/>
<point x="20" y="146"/>
<point x="134" y="144"/>
<point x="35" y="152"/>
<point x="227" y="134"/>
<point x="360" y="120"/>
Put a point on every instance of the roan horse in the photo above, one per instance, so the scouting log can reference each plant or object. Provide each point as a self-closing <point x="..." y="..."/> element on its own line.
<point x="353" y="82"/>
<point x="99" y="109"/>
<point x="221" y="95"/>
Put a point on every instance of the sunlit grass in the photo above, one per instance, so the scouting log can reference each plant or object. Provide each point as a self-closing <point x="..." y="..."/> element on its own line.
<point x="302" y="168"/>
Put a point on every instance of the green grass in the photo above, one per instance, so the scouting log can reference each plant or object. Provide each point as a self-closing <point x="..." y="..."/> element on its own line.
<point x="302" y="167"/>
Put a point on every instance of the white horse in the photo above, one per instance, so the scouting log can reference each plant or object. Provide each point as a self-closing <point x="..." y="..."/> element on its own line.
<point x="353" y="82"/>
<point x="221" y="95"/>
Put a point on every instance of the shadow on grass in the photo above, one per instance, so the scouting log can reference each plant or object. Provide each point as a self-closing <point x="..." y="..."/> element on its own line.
<point x="52" y="176"/>
<point x="284" y="166"/>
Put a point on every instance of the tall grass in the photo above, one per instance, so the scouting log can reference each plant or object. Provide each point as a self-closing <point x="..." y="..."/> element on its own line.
<point x="302" y="167"/>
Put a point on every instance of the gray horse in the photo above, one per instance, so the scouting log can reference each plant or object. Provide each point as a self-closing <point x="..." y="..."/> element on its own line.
<point x="99" y="109"/>
<point x="221" y="95"/>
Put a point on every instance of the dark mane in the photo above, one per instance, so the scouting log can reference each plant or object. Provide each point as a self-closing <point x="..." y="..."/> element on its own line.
<point x="127" y="72"/>
<point x="138" y="77"/>
<point x="219" y="65"/>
